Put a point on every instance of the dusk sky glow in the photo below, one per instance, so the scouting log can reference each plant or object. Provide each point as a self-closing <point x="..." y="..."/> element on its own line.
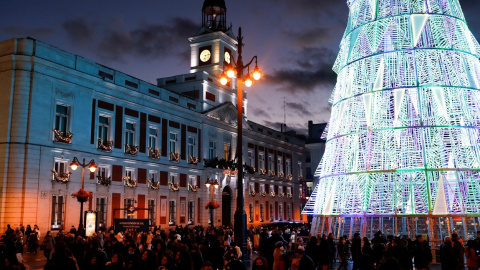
<point x="296" y="43"/>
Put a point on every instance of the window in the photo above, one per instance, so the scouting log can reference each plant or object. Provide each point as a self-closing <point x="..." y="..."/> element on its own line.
<point x="60" y="167"/>
<point x="127" y="202"/>
<point x="271" y="164"/>
<point x="102" y="171"/>
<point x="289" y="190"/>
<point x="252" y="188"/>
<point x="130" y="134"/>
<point x="191" y="212"/>
<point x="280" y="165"/>
<point x="300" y="169"/>
<point x="251" y="160"/>
<point x="261" y="212"/>
<point x="57" y="212"/>
<point x="153" y="176"/>
<point x="250" y="212"/>
<point x="261" y="161"/>
<point x="289" y="212"/>
<point x="272" y="188"/>
<point x="102" y="211"/>
<point x="301" y="208"/>
<point x="172" y="213"/>
<point x="262" y="187"/>
<point x="280" y="212"/>
<point x="173" y="142"/>
<point x="212" y="150"/>
<point x="174" y="178"/>
<point x="226" y="151"/>
<point x="191" y="146"/>
<point x="104" y="128"/>
<point x="151" y="211"/>
<point x="192" y="180"/>
<point x="271" y="212"/>
<point x="130" y="173"/>
<point x="61" y="119"/>
<point x="287" y="166"/>
<point x="152" y="138"/>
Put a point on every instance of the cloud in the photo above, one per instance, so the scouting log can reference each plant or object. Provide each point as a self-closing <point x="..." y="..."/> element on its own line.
<point x="19" y="32"/>
<point x="312" y="69"/>
<point x="299" y="108"/>
<point x="79" y="30"/>
<point x="260" y="112"/>
<point x="148" y="41"/>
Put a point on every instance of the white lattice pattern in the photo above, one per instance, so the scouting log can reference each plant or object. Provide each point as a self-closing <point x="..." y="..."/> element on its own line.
<point x="404" y="134"/>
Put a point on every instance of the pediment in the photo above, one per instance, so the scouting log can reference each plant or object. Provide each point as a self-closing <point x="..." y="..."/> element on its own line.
<point x="226" y="113"/>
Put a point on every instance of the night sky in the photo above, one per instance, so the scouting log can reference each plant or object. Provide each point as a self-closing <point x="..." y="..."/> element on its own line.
<point x="296" y="42"/>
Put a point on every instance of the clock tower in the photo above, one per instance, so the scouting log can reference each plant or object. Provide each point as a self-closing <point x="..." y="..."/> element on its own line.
<point x="214" y="46"/>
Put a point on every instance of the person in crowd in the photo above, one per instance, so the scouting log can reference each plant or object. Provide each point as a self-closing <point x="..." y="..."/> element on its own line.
<point x="389" y="262"/>
<point x="422" y="255"/>
<point x="115" y="262"/>
<point x="458" y="252"/>
<point x="471" y="255"/>
<point x="304" y="262"/>
<point x="48" y="244"/>
<point x="446" y="254"/>
<point x="342" y="252"/>
<point x="260" y="263"/>
<point x="356" y="250"/>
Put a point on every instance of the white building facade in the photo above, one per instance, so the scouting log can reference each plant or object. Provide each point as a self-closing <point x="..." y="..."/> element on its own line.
<point x="148" y="141"/>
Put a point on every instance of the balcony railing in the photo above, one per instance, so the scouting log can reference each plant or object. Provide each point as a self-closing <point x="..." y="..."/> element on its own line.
<point x="174" y="186"/>
<point x="105" y="145"/>
<point x="252" y="193"/>
<point x="272" y="194"/>
<point x="154" y="185"/>
<point x="104" y="181"/>
<point x="58" y="136"/>
<point x="289" y="177"/>
<point x="131" y="150"/>
<point x="262" y="172"/>
<point x="192" y="187"/>
<point x="175" y="157"/>
<point x="281" y="175"/>
<point x="154" y="153"/>
<point x="263" y="193"/>
<point x="271" y="173"/>
<point x="61" y="177"/>
<point x="128" y="182"/>
<point x="193" y="160"/>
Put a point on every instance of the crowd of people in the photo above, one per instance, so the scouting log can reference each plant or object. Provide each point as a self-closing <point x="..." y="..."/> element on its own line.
<point x="198" y="248"/>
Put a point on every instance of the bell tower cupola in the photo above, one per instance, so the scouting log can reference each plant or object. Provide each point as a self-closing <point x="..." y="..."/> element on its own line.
<point x="215" y="45"/>
<point x="214" y="15"/>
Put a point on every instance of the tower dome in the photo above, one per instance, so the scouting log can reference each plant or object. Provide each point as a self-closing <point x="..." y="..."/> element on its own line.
<point x="214" y="15"/>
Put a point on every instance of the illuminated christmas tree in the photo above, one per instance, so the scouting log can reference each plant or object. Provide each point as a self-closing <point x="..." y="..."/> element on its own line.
<point x="403" y="141"/>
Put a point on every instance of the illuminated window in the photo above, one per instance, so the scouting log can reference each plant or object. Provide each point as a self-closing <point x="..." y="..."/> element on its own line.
<point x="173" y="142"/>
<point x="226" y="151"/>
<point x="250" y="213"/>
<point x="261" y="161"/>
<point x="212" y="150"/>
<point x="191" y="146"/>
<point x="62" y="118"/>
<point x="130" y="134"/>
<point x="152" y="138"/>
<point x="191" y="212"/>
<point x="104" y="127"/>
<point x="58" y="213"/>
<point x="102" y="211"/>
<point x="127" y="202"/>
<point x="172" y="213"/>
<point x="151" y="212"/>
<point x="261" y="212"/>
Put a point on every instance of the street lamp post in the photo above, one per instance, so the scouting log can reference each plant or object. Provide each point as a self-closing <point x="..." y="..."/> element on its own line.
<point x="210" y="183"/>
<point x="91" y="166"/>
<point x="240" y="217"/>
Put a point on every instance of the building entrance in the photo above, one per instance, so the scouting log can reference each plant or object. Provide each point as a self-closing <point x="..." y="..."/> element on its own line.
<point x="227" y="206"/>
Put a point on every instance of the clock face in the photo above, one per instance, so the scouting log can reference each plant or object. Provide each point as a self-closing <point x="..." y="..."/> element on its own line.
<point x="205" y="55"/>
<point x="227" y="57"/>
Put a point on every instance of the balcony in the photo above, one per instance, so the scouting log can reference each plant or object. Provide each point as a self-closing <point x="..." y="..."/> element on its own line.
<point x="289" y="177"/>
<point x="128" y="182"/>
<point x="105" y="145"/>
<point x="104" y="181"/>
<point x="175" y="157"/>
<point x="174" y="186"/>
<point x="154" y="185"/>
<point x="154" y="153"/>
<point x="273" y="194"/>
<point x="262" y="172"/>
<point x="192" y="187"/>
<point x="131" y="150"/>
<point x="271" y="173"/>
<point x="62" y="177"/>
<point x="281" y="175"/>
<point x="192" y="160"/>
<point x="58" y="136"/>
